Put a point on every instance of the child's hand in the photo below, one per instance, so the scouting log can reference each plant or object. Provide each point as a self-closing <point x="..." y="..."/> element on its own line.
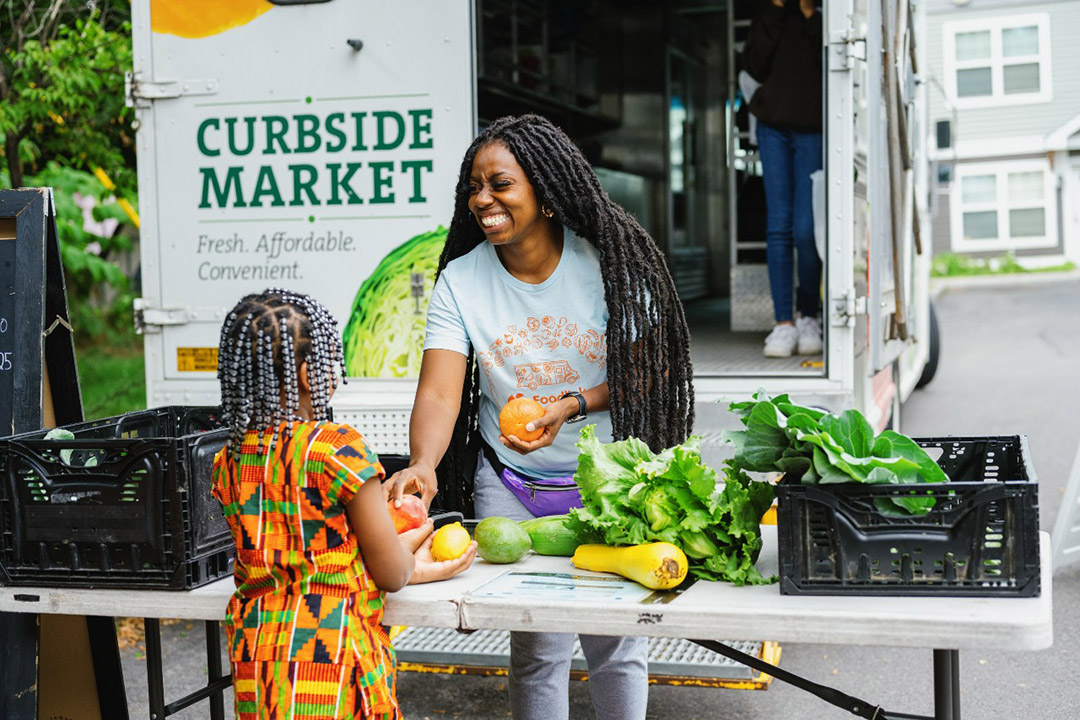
<point x="411" y="540"/>
<point x="428" y="569"/>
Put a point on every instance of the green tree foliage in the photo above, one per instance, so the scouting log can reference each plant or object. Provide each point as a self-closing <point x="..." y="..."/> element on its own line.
<point x="62" y="71"/>
<point x="63" y="115"/>
<point x="100" y="292"/>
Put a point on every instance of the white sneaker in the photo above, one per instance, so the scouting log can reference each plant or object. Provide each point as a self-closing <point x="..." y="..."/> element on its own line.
<point x="782" y="341"/>
<point x="809" y="330"/>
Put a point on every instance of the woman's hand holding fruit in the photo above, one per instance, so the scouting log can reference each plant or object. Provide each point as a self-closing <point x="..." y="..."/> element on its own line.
<point x="526" y="425"/>
<point x="419" y="477"/>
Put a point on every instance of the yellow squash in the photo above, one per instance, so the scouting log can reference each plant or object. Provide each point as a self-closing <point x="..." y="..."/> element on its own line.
<point x="658" y="565"/>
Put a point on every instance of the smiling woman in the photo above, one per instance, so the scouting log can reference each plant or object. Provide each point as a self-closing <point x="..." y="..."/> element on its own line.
<point x="546" y="289"/>
<point x="528" y="243"/>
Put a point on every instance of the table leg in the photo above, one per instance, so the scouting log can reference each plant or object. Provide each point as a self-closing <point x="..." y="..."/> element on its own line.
<point x="155" y="686"/>
<point x="956" y="684"/>
<point x="946" y="685"/>
<point x="19" y="648"/>
<point x="108" y="672"/>
<point x="213" y="667"/>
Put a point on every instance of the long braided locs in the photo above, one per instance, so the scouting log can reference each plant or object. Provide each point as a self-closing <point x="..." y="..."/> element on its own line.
<point x="650" y="377"/>
<point x="264" y="341"/>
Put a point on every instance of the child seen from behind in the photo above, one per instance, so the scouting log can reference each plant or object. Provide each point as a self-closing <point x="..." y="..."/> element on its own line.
<point x="315" y="545"/>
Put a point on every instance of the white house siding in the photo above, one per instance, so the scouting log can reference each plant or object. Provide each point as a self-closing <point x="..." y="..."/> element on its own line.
<point x="1009" y="121"/>
<point x="1009" y="133"/>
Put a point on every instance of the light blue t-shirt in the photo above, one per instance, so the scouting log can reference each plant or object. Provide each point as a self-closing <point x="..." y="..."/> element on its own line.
<point x="539" y="341"/>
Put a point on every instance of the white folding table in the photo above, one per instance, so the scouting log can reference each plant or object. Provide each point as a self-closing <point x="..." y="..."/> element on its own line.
<point x="706" y="613"/>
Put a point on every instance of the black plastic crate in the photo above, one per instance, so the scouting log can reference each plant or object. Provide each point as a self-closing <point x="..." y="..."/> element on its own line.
<point x="981" y="537"/>
<point x="127" y="503"/>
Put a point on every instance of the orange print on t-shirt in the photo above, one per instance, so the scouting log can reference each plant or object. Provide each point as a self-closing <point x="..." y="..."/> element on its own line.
<point x="534" y="375"/>
<point x="547" y="333"/>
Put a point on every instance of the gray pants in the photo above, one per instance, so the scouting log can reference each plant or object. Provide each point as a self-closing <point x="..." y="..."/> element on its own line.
<point x="540" y="662"/>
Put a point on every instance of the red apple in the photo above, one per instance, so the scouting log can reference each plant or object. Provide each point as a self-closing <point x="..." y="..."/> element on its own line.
<point x="411" y="514"/>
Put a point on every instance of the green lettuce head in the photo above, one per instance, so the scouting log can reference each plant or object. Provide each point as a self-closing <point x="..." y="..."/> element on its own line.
<point x="384" y="336"/>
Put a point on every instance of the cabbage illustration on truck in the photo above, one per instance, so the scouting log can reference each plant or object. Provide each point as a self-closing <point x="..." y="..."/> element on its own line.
<point x="384" y="335"/>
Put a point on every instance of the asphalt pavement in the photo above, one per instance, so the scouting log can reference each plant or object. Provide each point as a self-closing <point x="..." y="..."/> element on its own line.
<point x="1009" y="365"/>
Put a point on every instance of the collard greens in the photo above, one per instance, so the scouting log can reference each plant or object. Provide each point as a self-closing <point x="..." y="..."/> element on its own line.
<point x="811" y="446"/>
<point x="632" y="495"/>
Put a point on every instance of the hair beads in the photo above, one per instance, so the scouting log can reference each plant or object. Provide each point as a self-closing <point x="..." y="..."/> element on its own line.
<point x="264" y="341"/>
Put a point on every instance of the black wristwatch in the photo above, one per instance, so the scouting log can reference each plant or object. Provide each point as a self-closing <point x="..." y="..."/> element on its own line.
<point x="582" y="410"/>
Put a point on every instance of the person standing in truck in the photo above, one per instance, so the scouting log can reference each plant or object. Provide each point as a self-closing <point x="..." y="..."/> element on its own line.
<point x="783" y="53"/>
<point x="541" y="267"/>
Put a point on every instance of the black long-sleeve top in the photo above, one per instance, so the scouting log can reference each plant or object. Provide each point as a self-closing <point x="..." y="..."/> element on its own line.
<point x="783" y="53"/>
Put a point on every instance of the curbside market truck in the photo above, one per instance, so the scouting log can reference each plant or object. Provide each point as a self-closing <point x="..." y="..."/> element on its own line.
<point x="315" y="145"/>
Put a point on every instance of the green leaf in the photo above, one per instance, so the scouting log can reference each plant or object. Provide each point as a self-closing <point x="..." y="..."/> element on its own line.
<point x="905" y="447"/>
<point x="791" y="409"/>
<point x="851" y="431"/>
<point x="764" y="440"/>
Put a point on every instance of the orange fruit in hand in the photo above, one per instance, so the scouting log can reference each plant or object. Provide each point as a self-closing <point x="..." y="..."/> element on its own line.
<point x="516" y="414"/>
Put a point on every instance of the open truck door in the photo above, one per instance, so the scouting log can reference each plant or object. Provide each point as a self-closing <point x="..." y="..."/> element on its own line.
<point x="875" y="289"/>
<point x="831" y="379"/>
<point x="312" y="146"/>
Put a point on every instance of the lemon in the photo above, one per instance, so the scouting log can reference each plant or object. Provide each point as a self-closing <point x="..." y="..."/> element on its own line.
<point x="450" y="542"/>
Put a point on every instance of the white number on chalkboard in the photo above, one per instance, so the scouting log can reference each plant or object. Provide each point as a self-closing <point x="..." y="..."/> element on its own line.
<point x="5" y="360"/>
<point x="3" y="325"/>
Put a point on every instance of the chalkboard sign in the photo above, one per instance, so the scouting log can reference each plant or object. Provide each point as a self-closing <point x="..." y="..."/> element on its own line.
<point x="37" y="350"/>
<point x="7" y="312"/>
<point x="39" y="387"/>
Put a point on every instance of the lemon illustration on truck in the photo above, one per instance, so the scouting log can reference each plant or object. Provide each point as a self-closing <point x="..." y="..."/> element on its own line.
<point x="203" y="18"/>
<point x="384" y="335"/>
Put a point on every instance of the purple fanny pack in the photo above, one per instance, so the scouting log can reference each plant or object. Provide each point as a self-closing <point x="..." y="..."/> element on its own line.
<point x="551" y="496"/>
<point x="541" y="497"/>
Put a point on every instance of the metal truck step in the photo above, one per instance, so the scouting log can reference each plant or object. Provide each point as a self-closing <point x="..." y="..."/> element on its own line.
<point x="671" y="661"/>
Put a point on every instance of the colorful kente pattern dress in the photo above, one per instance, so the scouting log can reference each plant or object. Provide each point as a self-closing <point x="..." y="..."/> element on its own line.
<point x="304" y="626"/>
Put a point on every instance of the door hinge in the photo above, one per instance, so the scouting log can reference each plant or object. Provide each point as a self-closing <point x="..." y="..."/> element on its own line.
<point x="149" y="319"/>
<point x="844" y="47"/>
<point x="140" y="92"/>
<point x="845" y="308"/>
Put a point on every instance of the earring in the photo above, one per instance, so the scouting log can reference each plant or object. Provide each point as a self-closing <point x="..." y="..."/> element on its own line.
<point x="546" y="211"/>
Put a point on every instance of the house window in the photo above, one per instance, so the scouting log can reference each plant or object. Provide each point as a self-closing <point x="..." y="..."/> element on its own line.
<point x="998" y="61"/>
<point x="1003" y="206"/>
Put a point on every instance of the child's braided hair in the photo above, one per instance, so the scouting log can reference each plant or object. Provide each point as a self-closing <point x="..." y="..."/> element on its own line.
<point x="264" y="341"/>
<point x="650" y="377"/>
